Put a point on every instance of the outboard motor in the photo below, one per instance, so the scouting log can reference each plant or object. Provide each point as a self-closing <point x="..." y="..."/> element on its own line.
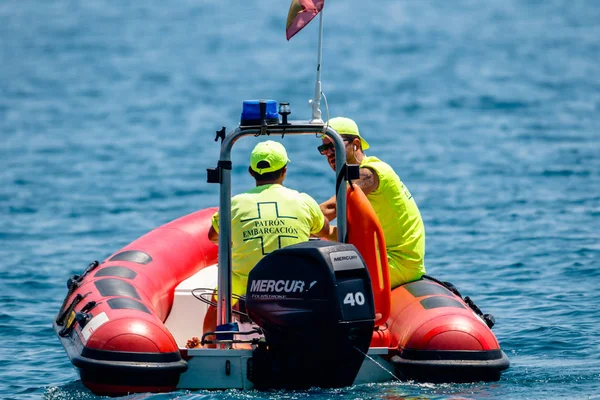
<point x="315" y="304"/>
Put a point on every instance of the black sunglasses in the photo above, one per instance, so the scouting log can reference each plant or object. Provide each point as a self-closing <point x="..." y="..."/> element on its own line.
<point x="330" y="146"/>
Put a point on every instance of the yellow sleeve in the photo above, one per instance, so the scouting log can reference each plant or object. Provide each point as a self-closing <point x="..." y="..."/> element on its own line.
<point x="316" y="218"/>
<point x="215" y="221"/>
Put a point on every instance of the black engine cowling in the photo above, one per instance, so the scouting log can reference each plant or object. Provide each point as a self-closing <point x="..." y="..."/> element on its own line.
<point x="315" y="304"/>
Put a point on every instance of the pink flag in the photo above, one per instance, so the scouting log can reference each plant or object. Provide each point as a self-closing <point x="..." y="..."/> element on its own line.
<point x="300" y="14"/>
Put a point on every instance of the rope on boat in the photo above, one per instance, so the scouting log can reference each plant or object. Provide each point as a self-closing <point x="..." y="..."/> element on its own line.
<point x="211" y="293"/>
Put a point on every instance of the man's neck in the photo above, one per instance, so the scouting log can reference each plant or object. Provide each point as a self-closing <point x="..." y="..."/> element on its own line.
<point x="358" y="157"/>
<point x="272" y="182"/>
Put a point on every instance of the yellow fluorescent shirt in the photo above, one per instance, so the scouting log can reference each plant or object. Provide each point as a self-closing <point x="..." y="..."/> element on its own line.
<point x="264" y="219"/>
<point x="401" y="222"/>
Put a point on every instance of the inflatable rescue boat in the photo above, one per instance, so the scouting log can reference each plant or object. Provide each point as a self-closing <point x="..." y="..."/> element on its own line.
<point x="318" y="313"/>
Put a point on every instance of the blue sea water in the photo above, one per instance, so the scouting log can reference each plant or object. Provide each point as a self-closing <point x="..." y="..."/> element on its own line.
<point x="488" y="110"/>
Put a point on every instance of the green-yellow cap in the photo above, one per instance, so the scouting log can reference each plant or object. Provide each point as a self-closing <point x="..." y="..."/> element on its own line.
<point x="270" y="155"/>
<point x="347" y="127"/>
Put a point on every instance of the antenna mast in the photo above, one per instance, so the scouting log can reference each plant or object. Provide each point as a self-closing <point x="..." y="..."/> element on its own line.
<point x="315" y="103"/>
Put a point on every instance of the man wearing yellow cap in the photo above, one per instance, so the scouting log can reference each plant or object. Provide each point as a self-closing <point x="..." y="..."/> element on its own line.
<point x="398" y="213"/>
<point x="267" y="217"/>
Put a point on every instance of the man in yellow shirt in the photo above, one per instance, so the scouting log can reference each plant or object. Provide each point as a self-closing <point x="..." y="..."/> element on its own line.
<point x="267" y="217"/>
<point x="394" y="205"/>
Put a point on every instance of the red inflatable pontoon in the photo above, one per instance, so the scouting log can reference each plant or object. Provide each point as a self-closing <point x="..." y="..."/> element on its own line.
<point x="112" y="320"/>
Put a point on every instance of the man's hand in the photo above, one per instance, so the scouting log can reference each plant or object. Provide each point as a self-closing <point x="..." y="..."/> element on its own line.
<point x="328" y="208"/>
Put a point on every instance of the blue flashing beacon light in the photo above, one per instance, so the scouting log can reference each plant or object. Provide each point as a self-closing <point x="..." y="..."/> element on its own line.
<point x="255" y="112"/>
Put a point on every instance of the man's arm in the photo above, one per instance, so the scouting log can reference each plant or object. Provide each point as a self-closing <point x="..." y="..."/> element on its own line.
<point x="328" y="231"/>
<point x="369" y="180"/>
<point x="213" y="235"/>
<point x="328" y="209"/>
